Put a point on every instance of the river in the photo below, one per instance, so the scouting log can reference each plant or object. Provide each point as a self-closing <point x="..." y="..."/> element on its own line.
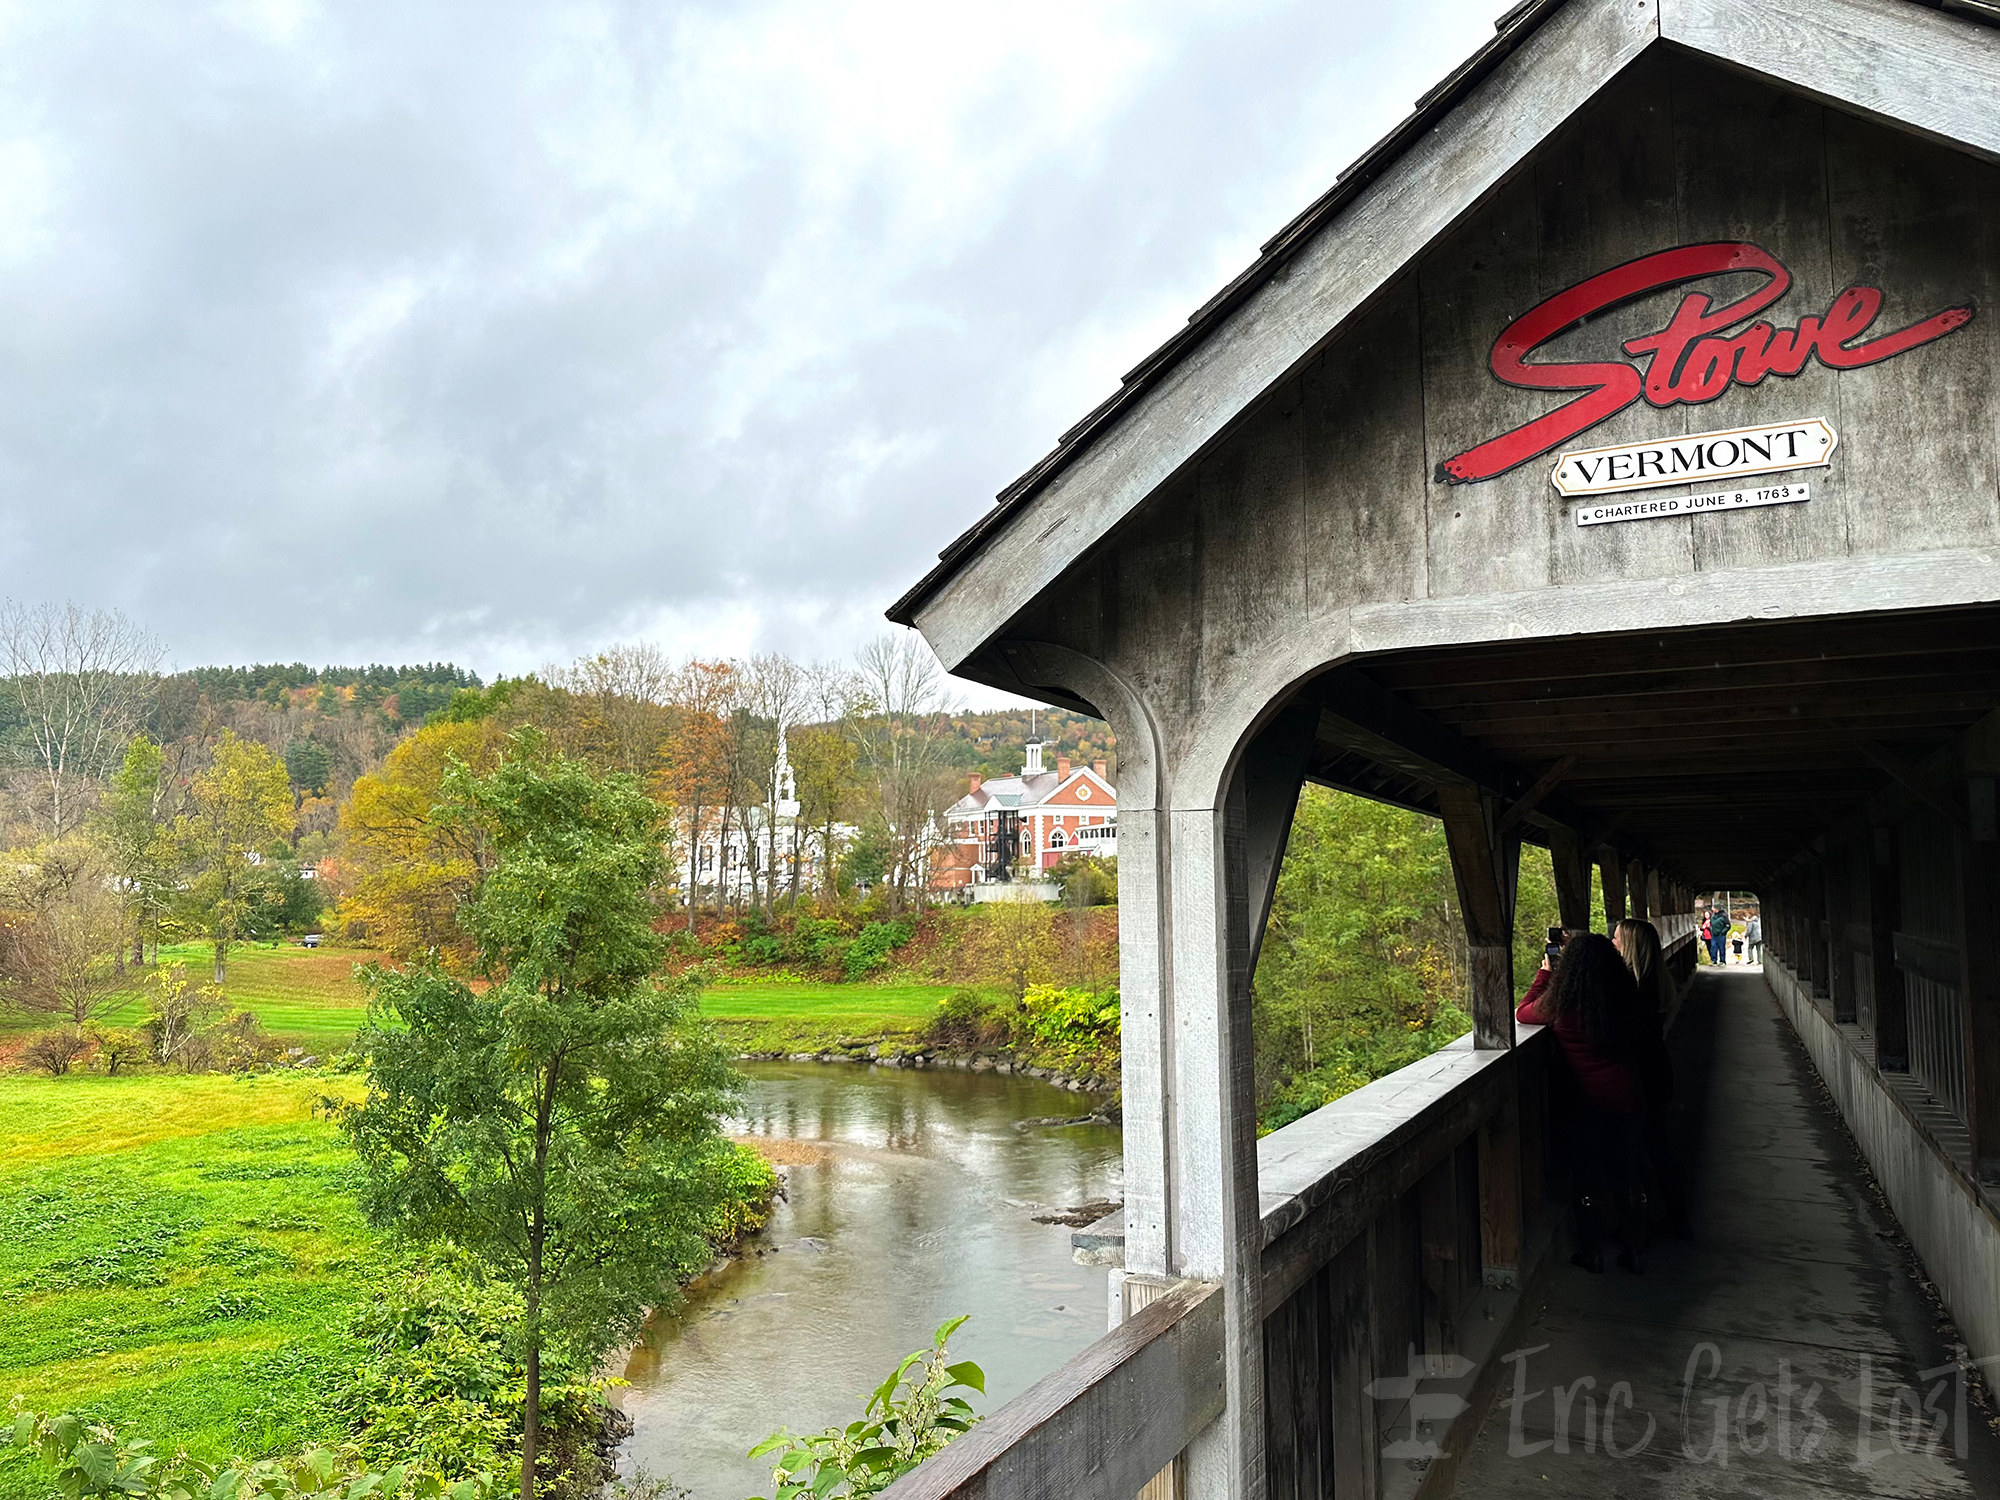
<point x="910" y="1198"/>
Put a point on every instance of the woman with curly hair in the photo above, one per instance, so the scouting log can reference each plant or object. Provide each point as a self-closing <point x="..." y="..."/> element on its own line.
<point x="1592" y="1004"/>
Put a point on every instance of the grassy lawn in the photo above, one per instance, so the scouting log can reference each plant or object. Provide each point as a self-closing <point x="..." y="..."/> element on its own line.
<point x="182" y="1254"/>
<point x="310" y="998"/>
<point x="755" y="1017"/>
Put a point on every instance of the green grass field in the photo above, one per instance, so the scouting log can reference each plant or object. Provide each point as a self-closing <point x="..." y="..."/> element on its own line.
<point x="181" y="1254"/>
<point x="310" y="998"/>
<point x="755" y="1017"/>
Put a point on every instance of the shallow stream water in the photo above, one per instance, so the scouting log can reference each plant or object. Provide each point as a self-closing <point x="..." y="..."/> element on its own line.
<point x="910" y="1198"/>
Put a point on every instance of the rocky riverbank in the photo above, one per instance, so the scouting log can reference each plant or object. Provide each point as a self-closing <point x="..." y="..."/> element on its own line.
<point x="1095" y="1075"/>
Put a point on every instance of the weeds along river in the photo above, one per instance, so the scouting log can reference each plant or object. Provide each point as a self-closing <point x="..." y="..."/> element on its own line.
<point x="910" y="1197"/>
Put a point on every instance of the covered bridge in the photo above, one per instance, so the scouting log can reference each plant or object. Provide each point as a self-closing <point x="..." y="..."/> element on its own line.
<point x="1610" y="461"/>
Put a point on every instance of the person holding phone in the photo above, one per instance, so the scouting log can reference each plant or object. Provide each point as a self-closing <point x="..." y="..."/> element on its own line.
<point x="1587" y="995"/>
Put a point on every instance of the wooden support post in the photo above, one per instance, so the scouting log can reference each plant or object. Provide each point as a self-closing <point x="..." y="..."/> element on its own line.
<point x="1351" y="1301"/>
<point x="1885" y="914"/>
<point x="1979" y="890"/>
<point x="1822" y="976"/>
<point x="1438" y="1227"/>
<point x="1199" y="887"/>
<point x="1572" y="867"/>
<point x="1635" y="890"/>
<point x="1486" y="866"/>
<point x="1612" y="876"/>
<point x="1839" y="951"/>
<point x="1138" y="1292"/>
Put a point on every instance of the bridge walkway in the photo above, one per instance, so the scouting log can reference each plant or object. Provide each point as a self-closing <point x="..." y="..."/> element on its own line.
<point x="1789" y="1350"/>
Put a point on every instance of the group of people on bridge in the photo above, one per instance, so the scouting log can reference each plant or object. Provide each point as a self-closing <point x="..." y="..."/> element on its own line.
<point x="1610" y="1001"/>
<point x="1748" y="945"/>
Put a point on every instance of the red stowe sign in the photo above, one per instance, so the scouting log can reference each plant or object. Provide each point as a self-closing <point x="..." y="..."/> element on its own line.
<point x="1692" y="360"/>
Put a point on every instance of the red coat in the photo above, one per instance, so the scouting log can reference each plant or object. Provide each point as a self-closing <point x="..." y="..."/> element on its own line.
<point x="1610" y="1083"/>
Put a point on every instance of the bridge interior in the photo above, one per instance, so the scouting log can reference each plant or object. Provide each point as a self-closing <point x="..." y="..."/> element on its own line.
<point x="1743" y="1351"/>
<point x="1823" y="764"/>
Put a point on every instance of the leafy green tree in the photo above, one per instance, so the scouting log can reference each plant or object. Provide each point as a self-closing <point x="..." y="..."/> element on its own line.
<point x="131" y="828"/>
<point x="1086" y="880"/>
<point x="309" y="766"/>
<point x="559" y="1127"/>
<point x="867" y="858"/>
<point x="240" y="805"/>
<point x="1362" y="967"/>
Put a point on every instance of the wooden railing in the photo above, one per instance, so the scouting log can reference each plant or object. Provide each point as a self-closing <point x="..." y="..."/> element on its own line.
<point x="1384" y="1301"/>
<point x="1371" y="1275"/>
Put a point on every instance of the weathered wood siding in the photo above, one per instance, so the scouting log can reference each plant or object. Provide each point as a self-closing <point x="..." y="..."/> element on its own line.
<point x="1323" y="500"/>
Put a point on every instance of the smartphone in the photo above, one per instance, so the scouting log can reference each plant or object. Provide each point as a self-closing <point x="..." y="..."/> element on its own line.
<point x="1555" y="944"/>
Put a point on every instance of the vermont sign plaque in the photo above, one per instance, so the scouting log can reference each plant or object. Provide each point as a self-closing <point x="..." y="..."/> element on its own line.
<point x="1704" y="456"/>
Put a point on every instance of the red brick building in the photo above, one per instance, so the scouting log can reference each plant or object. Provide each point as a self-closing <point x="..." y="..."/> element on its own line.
<point x="1017" y="827"/>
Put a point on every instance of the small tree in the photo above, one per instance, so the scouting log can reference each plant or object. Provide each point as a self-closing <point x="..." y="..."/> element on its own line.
<point x="59" y="944"/>
<point x="181" y="1012"/>
<point x="131" y="828"/>
<point x="242" y="804"/>
<point x="80" y="680"/>
<point x="561" y="1126"/>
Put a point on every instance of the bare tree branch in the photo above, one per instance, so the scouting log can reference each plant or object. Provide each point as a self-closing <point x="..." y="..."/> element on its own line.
<point x="82" y="678"/>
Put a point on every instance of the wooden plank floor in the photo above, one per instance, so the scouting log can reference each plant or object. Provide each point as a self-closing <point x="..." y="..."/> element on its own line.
<point x="1782" y="1353"/>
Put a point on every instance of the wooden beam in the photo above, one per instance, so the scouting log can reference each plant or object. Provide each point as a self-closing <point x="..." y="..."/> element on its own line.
<point x="1914" y="783"/>
<point x="1572" y="870"/>
<point x="1532" y="798"/>
<point x="1274" y="768"/>
<point x="1363" y="717"/>
<point x="1932" y="74"/>
<point x="1611" y="875"/>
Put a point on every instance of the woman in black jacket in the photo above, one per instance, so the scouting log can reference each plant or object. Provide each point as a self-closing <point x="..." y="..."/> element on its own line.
<point x="1658" y="998"/>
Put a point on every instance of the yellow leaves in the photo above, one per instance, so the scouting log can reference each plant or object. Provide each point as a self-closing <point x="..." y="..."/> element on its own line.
<point x="409" y="869"/>
<point x="242" y="801"/>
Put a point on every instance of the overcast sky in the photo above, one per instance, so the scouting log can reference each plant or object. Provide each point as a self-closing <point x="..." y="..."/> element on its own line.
<point x="498" y="333"/>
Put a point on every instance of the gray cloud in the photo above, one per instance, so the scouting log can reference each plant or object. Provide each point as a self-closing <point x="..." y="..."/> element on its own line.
<point x="500" y="332"/>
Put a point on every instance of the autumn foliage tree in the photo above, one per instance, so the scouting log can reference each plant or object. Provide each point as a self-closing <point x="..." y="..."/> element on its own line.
<point x="238" y="807"/>
<point x="410" y="871"/>
<point x="60" y="934"/>
<point x="697" y="760"/>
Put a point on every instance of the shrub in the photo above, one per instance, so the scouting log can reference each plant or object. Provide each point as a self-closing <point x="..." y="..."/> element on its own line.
<point x="1070" y="1024"/>
<point x="240" y="1044"/>
<point x="92" y="1462"/>
<point x="119" y="1048"/>
<point x="54" y="1052"/>
<point x="436" y="1385"/>
<point x="1086" y="880"/>
<point x="911" y="1416"/>
<point x="966" y="1018"/>
<point x="820" y="940"/>
<point x="870" y="950"/>
<point x="180" y="1011"/>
